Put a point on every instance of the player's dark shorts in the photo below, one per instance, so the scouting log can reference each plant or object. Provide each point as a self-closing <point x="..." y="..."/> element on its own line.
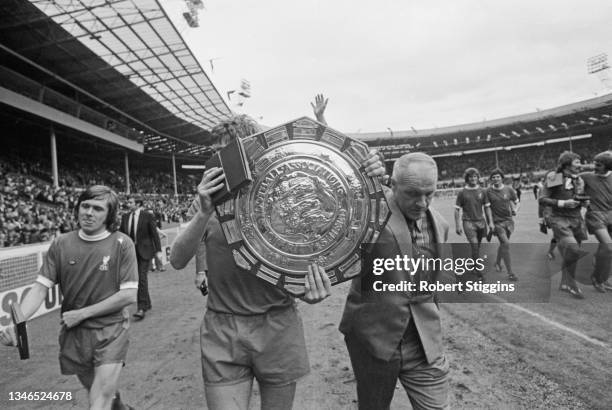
<point x="504" y="227"/>
<point x="474" y="230"/>
<point x="82" y="349"/>
<point x="270" y="347"/>
<point x="564" y="226"/>
<point x="596" y="220"/>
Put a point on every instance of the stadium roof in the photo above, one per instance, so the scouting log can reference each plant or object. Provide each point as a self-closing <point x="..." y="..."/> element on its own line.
<point x="581" y="108"/>
<point x="571" y="120"/>
<point x="127" y="57"/>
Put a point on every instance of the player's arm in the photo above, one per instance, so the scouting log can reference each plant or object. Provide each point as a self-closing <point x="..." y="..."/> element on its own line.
<point x="318" y="108"/>
<point x="486" y="212"/>
<point x="458" y="228"/>
<point x="33" y="299"/>
<point x="113" y="303"/>
<point x="516" y="205"/>
<point x="546" y="200"/>
<point x="186" y="243"/>
<point x="458" y="208"/>
<point x="31" y="303"/>
<point x="201" y="264"/>
<point x="488" y="215"/>
<point x="375" y="163"/>
<point x="46" y="279"/>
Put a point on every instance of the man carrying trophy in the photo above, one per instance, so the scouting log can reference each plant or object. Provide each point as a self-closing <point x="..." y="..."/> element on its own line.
<point x="251" y="329"/>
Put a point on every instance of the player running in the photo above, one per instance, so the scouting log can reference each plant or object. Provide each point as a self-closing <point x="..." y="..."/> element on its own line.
<point x="562" y="192"/>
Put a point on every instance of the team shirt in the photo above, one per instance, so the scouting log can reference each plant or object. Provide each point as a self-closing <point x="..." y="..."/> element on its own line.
<point x="232" y="289"/>
<point x="89" y="269"/>
<point x="599" y="188"/>
<point x="501" y="202"/>
<point x="564" y="190"/>
<point x="471" y="200"/>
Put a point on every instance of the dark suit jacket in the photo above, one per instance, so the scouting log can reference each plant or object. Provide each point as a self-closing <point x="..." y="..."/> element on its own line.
<point x="378" y="320"/>
<point x="147" y="238"/>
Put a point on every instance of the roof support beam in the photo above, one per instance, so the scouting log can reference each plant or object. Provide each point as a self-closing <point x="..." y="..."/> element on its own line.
<point x="26" y="104"/>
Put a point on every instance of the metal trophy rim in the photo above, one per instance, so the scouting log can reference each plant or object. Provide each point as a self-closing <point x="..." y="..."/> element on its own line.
<point x="306" y="132"/>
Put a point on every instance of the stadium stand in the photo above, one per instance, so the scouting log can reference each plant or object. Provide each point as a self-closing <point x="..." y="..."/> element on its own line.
<point x="32" y="210"/>
<point x="526" y="162"/>
<point x="105" y="102"/>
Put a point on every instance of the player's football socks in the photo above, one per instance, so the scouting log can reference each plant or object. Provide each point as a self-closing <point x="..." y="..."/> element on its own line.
<point x="571" y="255"/>
<point x="563" y="283"/>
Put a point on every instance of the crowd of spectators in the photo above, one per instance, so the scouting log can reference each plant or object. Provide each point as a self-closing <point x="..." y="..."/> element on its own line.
<point x="75" y="172"/>
<point x="528" y="163"/>
<point x="32" y="210"/>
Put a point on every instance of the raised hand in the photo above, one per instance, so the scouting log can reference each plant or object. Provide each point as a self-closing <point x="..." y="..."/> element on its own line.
<point x="318" y="108"/>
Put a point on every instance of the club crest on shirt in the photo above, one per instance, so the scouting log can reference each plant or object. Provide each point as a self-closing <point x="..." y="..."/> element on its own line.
<point x="104" y="265"/>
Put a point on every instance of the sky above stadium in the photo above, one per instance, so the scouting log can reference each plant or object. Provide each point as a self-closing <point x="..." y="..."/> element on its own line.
<point x="395" y="64"/>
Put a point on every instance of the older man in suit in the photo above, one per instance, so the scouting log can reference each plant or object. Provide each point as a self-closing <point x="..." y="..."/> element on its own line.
<point x="393" y="335"/>
<point x="140" y="226"/>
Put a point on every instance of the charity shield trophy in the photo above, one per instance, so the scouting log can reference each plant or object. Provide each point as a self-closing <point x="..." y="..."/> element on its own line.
<point x="310" y="200"/>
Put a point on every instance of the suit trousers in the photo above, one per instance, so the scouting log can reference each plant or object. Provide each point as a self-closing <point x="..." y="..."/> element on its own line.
<point x="143" y="298"/>
<point x="426" y="384"/>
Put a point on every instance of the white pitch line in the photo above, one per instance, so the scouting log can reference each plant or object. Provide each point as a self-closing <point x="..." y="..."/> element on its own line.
<point x="559" y="325"/>
<point x="553" y="323"/>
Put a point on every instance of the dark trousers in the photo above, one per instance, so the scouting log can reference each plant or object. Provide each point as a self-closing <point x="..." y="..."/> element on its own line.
<point x="143" y="298"/>
<point x="425" y="383"/>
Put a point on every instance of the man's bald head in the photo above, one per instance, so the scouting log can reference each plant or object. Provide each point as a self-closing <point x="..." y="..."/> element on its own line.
<point x="414" y="180"/>
<point x="411" y="168"/>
